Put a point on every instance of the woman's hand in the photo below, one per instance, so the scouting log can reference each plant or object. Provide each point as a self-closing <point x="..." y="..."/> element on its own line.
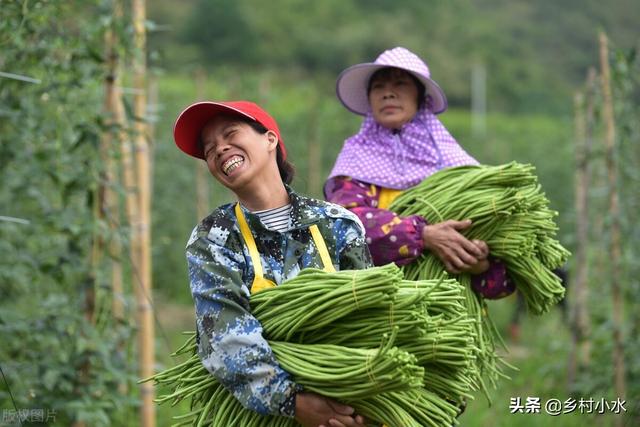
<point x="313" y="410"/>
<point x="483" y="262"/>
<point x="457" y="253"/>
<point x="479" y="268"/>
<point x="482" y="247"/>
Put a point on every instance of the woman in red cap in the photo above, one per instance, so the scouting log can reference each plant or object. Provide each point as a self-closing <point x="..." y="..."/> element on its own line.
<point x="400" y="143"/>
<point x="263" y="239"/>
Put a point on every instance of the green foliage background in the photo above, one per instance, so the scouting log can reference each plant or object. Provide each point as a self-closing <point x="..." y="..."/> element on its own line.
<point x="534" y="52"/>
<point x="49" y="172"/>
<point x="285" y="55"/>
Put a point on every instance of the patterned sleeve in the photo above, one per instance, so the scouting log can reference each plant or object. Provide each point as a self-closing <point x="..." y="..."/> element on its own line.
<point x="353" y="252"/>
<point x="391" y="238"/>
<point x="493" y="283"/>
<point x="231" y="345"/>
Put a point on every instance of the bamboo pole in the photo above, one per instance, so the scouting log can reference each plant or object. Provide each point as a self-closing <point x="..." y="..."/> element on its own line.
<point x="599" y="184"/>
<point x="580" y="322"/>
<point x="614" y="214"/>
<point x="202" y="171"/>
<point x="131" y="211"/>
<point x="117" y="135"/>
<point x="112" y="205"/>
<point x="143" y="235"/>
<point x="314" y="156"/>
<point x="152" y="116"/>
<point x="89" y="287"/>
<point x="129" y="180"/>
<point x="127" y="165"/>
<point x="479" y="103"/>
<point x="101" y="203"/>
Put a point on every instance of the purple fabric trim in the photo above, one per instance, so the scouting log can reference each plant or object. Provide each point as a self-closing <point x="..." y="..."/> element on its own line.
<point x="493" y="283"/>
<point x="399" y="159"/>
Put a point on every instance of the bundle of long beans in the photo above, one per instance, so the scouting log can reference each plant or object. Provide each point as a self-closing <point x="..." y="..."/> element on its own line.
<point x="400" y="352"/>
<point x="510" y="212"/>
<point x="430" y="316"/>
<point x="323" y="298"/>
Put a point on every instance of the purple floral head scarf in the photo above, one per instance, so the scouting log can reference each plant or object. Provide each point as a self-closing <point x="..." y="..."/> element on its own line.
<point x="402" y="158"/>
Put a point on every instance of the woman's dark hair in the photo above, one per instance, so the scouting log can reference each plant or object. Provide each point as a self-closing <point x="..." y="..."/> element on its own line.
<point x="388" y="72"/>
<point x="286" y="169"/>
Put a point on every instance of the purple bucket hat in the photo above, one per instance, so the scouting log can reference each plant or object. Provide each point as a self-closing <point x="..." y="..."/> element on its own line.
<point x="351" y="86"/>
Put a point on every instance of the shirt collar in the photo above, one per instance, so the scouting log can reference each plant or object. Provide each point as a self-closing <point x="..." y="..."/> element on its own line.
<point x="303" y="213"/>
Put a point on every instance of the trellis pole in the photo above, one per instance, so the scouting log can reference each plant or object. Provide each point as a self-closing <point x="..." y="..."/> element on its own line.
<point x="114" y="125"/>
<point x="142" y="226"/>
<point x="614" y="216"/>
<point x="580" y="355"/>
<point x="314" y="154"/>
<point x="202" y="171"/>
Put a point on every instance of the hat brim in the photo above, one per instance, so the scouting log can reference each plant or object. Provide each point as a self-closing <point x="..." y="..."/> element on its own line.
<point x="351" y="88"/>
<point x="189" y="124"/>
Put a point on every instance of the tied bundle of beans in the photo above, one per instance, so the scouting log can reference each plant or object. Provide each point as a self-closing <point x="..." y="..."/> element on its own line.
<point x="211" y="403"/>
<point x="416" y="408"/>
<point x="433" y="321"/>
<point x="343" y="373"/>
<point x="510" y="212"/>
<point x="315" y="298"/>
<point x="349" y="373"/>
<point x="432" y="324"/>
<point x="376" y="342"/>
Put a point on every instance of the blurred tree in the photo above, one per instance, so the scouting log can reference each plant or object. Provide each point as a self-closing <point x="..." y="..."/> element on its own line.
<point x="222" y="31"/>
<point x="534" y="51"/>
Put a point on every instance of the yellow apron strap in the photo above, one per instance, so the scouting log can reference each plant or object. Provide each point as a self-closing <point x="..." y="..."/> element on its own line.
<point x="322" y="249"/>
<point x="249" y="241"/>
<point x="387" y="196"/>
<point x="259" y="282"/>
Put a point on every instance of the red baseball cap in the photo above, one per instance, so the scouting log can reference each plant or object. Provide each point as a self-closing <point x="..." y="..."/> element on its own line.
<point x="189" y="124"/>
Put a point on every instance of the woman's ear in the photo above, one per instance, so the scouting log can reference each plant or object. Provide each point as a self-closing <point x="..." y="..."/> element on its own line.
<point x="273" y="140"/>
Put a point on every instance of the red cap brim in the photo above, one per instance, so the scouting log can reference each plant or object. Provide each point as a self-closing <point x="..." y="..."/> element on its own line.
<point x="189" y="124"/>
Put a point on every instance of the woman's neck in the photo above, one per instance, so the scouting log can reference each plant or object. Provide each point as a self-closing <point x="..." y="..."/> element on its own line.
<point x="264" y="194"/>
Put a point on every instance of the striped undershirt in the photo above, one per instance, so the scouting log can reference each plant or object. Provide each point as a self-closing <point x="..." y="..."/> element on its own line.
<point x="277" y="219"/>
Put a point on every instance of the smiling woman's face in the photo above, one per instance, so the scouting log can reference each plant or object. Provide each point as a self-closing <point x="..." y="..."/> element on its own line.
<point x="235" y="153"/>
<point x="393" y="97"/>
